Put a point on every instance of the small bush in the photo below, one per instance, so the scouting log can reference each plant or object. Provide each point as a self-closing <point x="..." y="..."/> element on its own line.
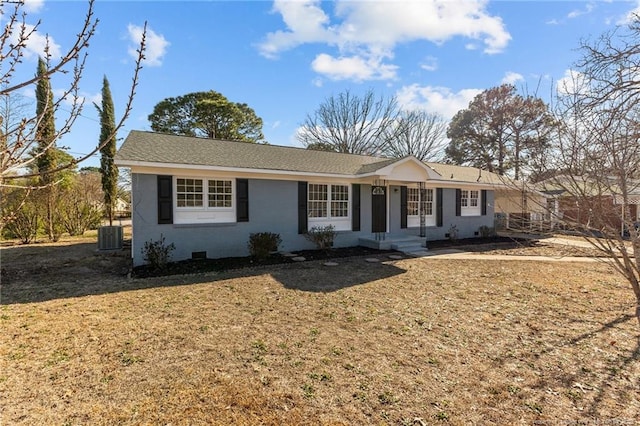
<point x="486" y="231"/>
<point x="322" y="236"/>
<point x="23" y="225"/>
<point x="157" y="254"/>
<point x="453" y="233"/>
<point x="262" y="244"/>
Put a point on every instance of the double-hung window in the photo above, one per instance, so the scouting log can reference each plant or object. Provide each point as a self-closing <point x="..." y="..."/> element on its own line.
<point x="202" y="200"/>
<point x="220" y="193"/>
<point x="415" y="202"/>
<point x="470" y="202"/>
<point x="189" y="192"/>
<point x="328" y="204"/>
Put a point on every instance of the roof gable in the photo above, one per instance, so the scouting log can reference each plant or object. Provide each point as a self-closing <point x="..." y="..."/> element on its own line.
<point x="407" y="169"/>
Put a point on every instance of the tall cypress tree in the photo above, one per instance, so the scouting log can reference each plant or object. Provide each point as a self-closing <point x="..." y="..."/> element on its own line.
<point x="46" y="144"/>
<point x="46" y="126"/>
<point x="108" y="151"/>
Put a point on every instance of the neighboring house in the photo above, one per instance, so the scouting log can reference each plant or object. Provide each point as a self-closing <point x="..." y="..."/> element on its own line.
<point x="207" y="196"/>
<point x="518" y="206"/>
<point x="581" y="201"/>
<point x="122" y="208"/>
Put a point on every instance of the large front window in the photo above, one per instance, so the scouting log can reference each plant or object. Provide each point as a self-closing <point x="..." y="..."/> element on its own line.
<point x="415" y="199"/>
<point x="204" y="200"/>
<point x="191" y="193"/>
<point x="328" y="201"/>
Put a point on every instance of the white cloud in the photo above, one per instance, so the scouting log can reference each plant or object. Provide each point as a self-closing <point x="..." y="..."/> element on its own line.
<point x="631" y="16"/>
<point x="36" y="43"/>
<point x="512" y="78"/>
<point x="83" y="98"/>
<point x="573" y="82"/>
<point x="440" y="100"/>
<point x="305" y="22"/>
<point x="429" y="63"/>
<point x="579" y="12"/>
<point x="155" y="48"/>
<point x="33" y="5"/>
<point x="353" y="68"/>
<point x="371" y="30"/>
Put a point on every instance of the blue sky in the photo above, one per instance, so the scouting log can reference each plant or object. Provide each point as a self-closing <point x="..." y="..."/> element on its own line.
<point x="284" y="58"/>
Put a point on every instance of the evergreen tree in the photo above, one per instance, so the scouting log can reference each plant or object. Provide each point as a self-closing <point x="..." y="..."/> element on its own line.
<point x="46" y="132"/>
<point x="45" y="151"/>
<point x="107" y="143"/>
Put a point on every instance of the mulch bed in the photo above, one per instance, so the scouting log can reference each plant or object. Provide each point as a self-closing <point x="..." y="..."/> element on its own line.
<point x="193" y="266"/>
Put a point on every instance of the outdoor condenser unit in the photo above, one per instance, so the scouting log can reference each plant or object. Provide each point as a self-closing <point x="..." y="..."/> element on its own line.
<point x="110" y="238"/>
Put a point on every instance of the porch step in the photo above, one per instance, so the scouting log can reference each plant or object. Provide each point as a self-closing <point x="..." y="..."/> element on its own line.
<point x="403" y="243"/>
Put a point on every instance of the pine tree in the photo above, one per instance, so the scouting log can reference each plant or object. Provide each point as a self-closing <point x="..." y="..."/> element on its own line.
<point x="45" y="151"/>
<point x="107" y="142"/>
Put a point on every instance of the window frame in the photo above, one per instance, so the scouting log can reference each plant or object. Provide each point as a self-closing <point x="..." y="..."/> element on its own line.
<point x="329" y="201"/>
<point x="338" y="197"/>
<point x="205" y="194"/>
<point x="470" y="202"/>
<point x="413" y="220"/>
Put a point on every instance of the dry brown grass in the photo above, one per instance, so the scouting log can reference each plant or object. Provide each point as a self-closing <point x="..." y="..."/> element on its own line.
<point x="399" y="342"/>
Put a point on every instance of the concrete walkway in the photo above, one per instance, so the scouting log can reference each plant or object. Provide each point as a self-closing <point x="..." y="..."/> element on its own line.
<point x="462" y="255"/>
<point x="459" y="254"/>
<point x="551" y="240"/>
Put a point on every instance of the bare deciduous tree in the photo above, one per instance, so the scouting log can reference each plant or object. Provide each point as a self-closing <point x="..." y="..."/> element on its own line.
<point x="418" y="133"/>
<point x="599" y="149"/>
<point x="349" y="123"/>
<point x="18" y="141"/>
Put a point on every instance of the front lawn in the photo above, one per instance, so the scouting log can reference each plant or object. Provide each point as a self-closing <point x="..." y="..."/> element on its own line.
<point x="406" y="342"/>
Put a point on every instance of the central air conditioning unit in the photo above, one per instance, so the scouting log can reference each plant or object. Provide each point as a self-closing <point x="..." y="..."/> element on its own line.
<point x="110" y="238"/>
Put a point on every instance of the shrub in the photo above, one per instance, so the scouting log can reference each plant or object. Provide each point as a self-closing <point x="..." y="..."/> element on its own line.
<point x="261" y="244"/>
<point x="23" y="224"/>
<point x="453" y="233"/>
<point x="322" y="236"/>
<point x="486" y="231"/>
<point x="77" y="217"/>
<point x="157" y="254"/>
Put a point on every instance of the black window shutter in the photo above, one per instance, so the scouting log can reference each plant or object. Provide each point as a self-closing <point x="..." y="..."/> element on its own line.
<point x="403" y="207"/>
<point x="355" y="207"/>
<point x="302" y="208"/>
<point x="439" y="207"/>
<point x="483" y="201"/>
<point x="242" y="200"/>
<point x="165" y="199"/>
<point x="458" y="202"/>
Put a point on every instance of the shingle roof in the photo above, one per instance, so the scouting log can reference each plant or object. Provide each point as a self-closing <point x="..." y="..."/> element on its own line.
<point x="450" y="172"/>
<point x="150" y="147"/>
<point x="171" y="149"/>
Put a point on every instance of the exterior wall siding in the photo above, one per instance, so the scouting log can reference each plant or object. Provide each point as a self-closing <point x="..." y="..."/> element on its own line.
<point x="273" y="207"/>
<point x="467" y="226"/>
